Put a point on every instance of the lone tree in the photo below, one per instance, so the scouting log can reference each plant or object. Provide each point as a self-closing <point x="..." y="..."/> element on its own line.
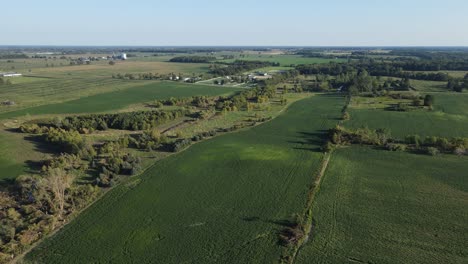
<point x="59" y="181"/>
<point x="429" y="100"/>
<point x="111" y="63"/>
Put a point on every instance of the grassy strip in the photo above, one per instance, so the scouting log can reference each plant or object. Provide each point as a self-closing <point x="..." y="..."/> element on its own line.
<point x="306" y="222"/>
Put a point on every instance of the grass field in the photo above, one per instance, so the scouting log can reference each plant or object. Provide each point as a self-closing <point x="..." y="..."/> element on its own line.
<point x="18" y="154"/>
<point x="222" y="200"/>
<point x="429" y="86"/>
<point x="376" y="206"/>
<point x="122" y="98"/>
<point x="449" y="118"/>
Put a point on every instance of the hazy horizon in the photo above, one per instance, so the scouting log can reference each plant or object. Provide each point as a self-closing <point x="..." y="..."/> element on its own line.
<point x="263" y="23"/>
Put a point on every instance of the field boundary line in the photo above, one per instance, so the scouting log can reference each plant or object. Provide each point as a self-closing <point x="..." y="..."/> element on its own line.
<point x="308" y="213"/>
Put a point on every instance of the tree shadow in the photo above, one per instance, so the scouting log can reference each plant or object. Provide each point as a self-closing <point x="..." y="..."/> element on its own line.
<point x="311" y="141"/>
<point x="41" y="145"/>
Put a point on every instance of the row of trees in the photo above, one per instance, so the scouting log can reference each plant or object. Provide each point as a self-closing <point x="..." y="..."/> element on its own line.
<point x="373" y="68"/>
<point x="139" y="120"/>
<point x="431" y="145"/>
<point x="193" y="59"/>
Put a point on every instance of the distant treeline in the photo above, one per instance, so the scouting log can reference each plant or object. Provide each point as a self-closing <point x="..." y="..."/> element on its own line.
<point x="400" y="70"/>
<point x="193" y="59"/>
<point x="240" y="66"/>
<point x="14" y="56"/>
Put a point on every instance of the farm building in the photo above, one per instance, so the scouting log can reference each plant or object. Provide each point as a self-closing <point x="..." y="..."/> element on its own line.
<point x="10" y="74"/>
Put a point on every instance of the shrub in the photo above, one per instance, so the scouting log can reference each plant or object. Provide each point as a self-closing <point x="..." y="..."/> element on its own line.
<point x="429" y="100"/>
<point x="327" y="147"/>
<point x="432" y="151"/>
<point x="460" y="151"/>
<point x="396" y="147"/>
<point x="346" y="116"/>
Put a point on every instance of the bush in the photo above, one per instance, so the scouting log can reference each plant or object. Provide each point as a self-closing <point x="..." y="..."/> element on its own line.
<point x="345" y="116"/>
<point x="432" y="151"/>
<point x="429" y="100"/>
<point x="460" y="151"/>
<point x="396" y="147"/>
<point x="327" y="147"/>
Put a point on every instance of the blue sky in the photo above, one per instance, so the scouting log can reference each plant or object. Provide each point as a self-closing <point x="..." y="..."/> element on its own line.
<point x="184" y="22"/>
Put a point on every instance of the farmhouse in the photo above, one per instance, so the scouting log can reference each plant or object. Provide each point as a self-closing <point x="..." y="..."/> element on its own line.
<point x="9" y="74"/>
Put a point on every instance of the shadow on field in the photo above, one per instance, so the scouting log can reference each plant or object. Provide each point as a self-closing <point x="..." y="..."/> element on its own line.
<point x="311" y="141"/>
<point x="6" y="183"/>
<point x="279" y="222"/>
<point x="41" y="146"/>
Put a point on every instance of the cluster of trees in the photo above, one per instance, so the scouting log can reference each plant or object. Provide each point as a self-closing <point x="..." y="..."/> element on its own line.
<point x="70" y="142"/>
<point x="431" y="145"/>
<point x="198" y="101"/>
<point x="239" y="66"/>
<point x="193" y="59"/>
<point x="458" y="85"/>
<point x="149" y="140"/>
<point x="140" y="76"/>
<point x="242" y="100"/>
<point x="113" y="161"/>
<point x="33" y="206"/>
<point x="139" y="120"/>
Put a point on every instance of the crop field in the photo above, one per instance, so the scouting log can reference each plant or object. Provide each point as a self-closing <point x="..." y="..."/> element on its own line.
<point x="121" y="98"/>
<point x="222" y="200"/>
<point x="378" y="206"/>
<point x="47" y="91"/>
<point x="449" y="118"/>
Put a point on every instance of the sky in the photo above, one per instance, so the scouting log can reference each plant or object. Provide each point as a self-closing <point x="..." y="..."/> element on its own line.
<point x="235" y="23"/>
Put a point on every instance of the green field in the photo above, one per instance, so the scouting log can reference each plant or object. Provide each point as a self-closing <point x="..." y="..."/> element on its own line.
<point x="449" y="118"/>
<point x="376" y="206"/>
<point x="121" y="98"/>
<point x="220" y="201"/>
<point x="429" y="86"/>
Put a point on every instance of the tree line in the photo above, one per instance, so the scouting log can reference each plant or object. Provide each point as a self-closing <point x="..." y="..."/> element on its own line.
<point x="193" y="59"/>
<point x="138" y="120"/>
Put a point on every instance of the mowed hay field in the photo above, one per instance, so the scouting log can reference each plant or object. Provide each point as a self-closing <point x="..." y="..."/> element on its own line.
<point x="378" y="206"/>
<point x="448" y="119"/>
<point x="121" y="98"/>
<point x="220" y="201"/>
